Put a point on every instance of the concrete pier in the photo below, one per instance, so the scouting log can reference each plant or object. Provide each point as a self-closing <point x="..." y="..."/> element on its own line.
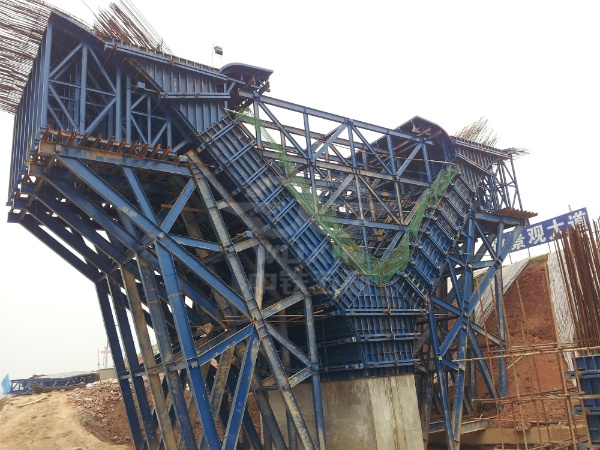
<point x="364" y="414"/>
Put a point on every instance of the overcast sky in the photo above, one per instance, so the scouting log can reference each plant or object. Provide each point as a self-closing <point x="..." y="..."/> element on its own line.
<point x="530" y="67"/>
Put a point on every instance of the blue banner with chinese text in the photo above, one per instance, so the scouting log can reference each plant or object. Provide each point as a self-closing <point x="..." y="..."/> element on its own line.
<point x="544" y="232"/>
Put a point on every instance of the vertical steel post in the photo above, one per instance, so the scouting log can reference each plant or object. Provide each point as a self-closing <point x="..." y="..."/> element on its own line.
<point x="316" y="377"/>
<point x="83" y="97"/>
<point x="441" y="380"/>
<point x="428" y="398"/>
<point x="396" y="182"/>
<point x="118" y="107"/>
<point x="285" y="359"/>
<point x="156" y="390"/>
<point x="467" y="281"/>
<point x="47" y="52"/>
<point x="238" y="404"/>
<point x="139" y="388"/>
<point x="184" y="333"/>
<point x="514" y="176"/>
<point x="259" y="286"/>
<point x="164" y="345"/>
<point x="149" y="113"/>
<point x="426" y="161"/>
<point x="502" y="378"/>
<point x="128" y="107"/>
<point x="115" y="348"/>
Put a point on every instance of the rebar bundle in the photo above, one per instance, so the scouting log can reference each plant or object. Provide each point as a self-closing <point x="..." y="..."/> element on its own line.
<point x="125" y="22"/>
<point x="479" y="132"/>
<point x="580" y="268"/>
<point x="22" y="26"/>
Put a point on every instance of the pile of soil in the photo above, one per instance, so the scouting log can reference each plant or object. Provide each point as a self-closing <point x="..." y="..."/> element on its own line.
<point x="49" y="422"/>
<point x="102" y="412"/>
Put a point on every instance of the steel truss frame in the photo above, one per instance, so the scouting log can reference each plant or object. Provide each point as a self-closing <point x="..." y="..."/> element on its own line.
<point x="451" y="308"/>
<point x="91" y="199"/>
<point x="124" y="270"/>
<point x="355" y="168"/>
<point x="500" y="191"/>
<point x="25" y="386"/>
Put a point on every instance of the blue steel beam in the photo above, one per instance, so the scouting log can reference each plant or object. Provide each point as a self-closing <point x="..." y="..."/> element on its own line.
<point x="158" y="397"/>
<point x="196" y="379"/>
<point x="238" y="406"/>
<point x="166" y="352"/>
<point x="135" y="217"/>
<point x="111" y="227"/>
<point x="111" y="157"/>
<point x="264" y="100"/>
<point x="138" y="384"/>
<point x="434" y="342"/>
<point x="149" y="227"/>
<point x="115" y="349"/>
<point x="461" y="350"/>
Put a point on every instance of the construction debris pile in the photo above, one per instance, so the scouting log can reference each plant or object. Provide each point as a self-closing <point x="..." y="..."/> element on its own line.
<point x="102" y="412"/>
<point x="37" y="389"/>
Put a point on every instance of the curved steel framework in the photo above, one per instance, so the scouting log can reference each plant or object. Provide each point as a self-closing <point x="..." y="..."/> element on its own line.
<point x="127" y="164"/>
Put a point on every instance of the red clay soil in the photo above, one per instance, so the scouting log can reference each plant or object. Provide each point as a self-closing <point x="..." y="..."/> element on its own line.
<point x="529" y="321"/>
<point x="102" y="412"/>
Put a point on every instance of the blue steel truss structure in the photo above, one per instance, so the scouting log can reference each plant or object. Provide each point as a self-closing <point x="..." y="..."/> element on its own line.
<point x="24" y="386"/>
<point x="129" y="163"/>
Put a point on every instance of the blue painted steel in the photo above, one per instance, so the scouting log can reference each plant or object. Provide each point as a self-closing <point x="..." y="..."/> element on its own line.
<point x="138" y="384"/>
<point x="24" y="386"/>
<point x="120" y="368"/>
<point x="5" y="385"/>
<point x="152" y="194"/>
<point x="588" y="372"/>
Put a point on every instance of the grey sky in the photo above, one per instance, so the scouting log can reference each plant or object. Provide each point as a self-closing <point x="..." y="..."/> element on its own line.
<point x="530" y="67"/>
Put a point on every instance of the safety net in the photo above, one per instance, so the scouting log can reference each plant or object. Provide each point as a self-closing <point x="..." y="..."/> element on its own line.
<point x="379" y="270"/>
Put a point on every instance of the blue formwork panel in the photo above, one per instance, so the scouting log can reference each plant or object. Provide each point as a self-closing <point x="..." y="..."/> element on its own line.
<point x="589" y="376"/>
<point x="371" y="329"/>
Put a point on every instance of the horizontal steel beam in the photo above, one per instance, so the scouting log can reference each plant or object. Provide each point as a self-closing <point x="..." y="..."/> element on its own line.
<point x="507" y="220"/>
<point x="194" y="95"/>
<point x="104" y="157"/>
<point x="328" y="116"/>
<point x="346" y="169"/>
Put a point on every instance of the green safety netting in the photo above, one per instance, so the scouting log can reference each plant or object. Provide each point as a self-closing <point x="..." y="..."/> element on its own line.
<point x="380" y="270"/>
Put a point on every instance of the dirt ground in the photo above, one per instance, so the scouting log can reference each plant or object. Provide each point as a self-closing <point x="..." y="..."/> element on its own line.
<point x="103" y="413"/>
<point x="49" y="422"/>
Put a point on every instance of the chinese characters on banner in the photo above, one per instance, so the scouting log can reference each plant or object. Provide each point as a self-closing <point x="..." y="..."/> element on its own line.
<point x="544" y="232"/>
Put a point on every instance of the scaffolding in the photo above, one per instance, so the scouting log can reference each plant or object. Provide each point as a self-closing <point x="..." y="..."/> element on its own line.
<point x="533" y="417"/>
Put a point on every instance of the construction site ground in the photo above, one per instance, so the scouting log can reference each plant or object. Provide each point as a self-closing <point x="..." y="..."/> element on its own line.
<point x="52" y="421"/>
<point x="94" y="418"/>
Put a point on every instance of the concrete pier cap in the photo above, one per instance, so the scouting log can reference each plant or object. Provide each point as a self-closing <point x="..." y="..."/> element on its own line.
<point x="363" y="414"/>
